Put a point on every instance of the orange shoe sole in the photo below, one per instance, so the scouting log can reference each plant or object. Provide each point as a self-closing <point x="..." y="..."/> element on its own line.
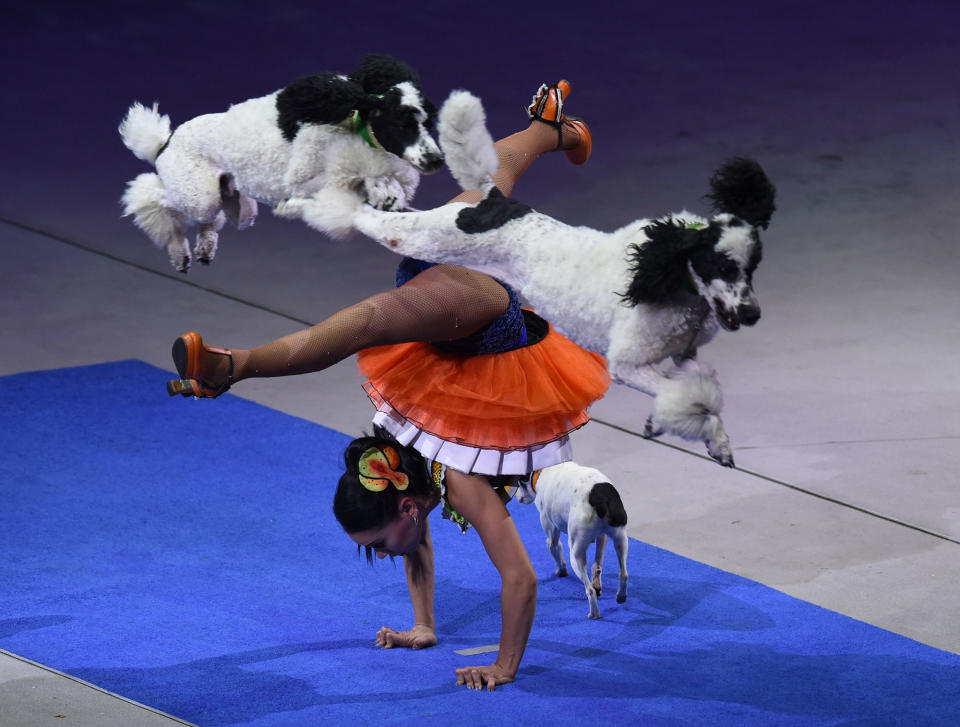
<point x="186" y="354"/>
<point x="581" y="152"/>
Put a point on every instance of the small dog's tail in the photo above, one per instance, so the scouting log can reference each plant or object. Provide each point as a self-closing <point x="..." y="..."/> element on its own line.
<point x="466" y="142"/>
<point x="605" y="499"/>
<point x="144" y="131"/>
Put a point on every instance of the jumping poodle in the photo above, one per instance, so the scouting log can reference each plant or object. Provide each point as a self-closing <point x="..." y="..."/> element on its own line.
<point x="646" y="296"/>
<point x="325" y="137"/>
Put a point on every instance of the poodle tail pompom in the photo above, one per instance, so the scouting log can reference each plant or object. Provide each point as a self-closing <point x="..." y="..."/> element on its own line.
<point x="689" y="405"/>
<point x="144" y="131"/>
<point x="466" y="142"/>
<point x="146" y="199"/>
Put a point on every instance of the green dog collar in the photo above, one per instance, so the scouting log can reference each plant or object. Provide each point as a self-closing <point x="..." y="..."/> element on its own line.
<point x="362" y="129"/>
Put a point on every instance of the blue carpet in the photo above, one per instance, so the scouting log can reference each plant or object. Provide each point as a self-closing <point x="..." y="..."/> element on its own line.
<point x="184" y="554"/>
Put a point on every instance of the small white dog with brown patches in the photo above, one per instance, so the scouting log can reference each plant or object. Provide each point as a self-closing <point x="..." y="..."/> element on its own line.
<point x="581" y="502"/>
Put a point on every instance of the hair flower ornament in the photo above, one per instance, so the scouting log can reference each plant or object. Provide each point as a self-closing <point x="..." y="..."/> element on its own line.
<point x="378" y="468"/>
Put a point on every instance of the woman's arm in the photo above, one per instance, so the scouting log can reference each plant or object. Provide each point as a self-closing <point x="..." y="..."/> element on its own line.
<point x="420" y="578"/>
<point x="474" y="498"/>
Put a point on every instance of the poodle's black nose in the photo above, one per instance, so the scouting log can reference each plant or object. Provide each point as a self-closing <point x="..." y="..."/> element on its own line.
<point x="432" y="163"/>
<point x="748" y="314"/>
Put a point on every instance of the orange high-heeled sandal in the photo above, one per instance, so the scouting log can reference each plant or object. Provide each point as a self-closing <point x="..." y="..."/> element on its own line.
<point x="188" y="351"/>
<point x="547" y="106"/>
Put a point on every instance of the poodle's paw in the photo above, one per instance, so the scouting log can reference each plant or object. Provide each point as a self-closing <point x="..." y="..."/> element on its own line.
<point x="179" y="254"/>
<point x="719" y="448"/>
<point x="651" y="430"/>
<point x="206" y="247"/>
<point x="290" y="209"/>
<point x="385" y="193"/>
<point x="561" y="572"/>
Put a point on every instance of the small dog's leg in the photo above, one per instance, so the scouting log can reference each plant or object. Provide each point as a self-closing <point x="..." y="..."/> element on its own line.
<point x="620" y="544"/>
<point x="597" y="570"/>
<point x="578" y="558"/>
<point x="554" y="545"/>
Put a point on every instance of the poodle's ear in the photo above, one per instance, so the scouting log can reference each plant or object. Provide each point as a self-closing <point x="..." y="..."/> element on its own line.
<point x="377" y="73"/>
<point x="320" y="98"/>
<point x="659" y="266"/>
<point x="742" y="188"/>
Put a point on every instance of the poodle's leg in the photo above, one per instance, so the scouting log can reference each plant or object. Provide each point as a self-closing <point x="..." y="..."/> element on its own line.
<point x="383" y="181"/>
<point x="578" y="559"/>
<point x="429" y="235"/>
<point x="409" y="179"/>
<point x="620" y="544"/>
<point x="646" y="377"/>
<point x="385" y="193"/>
<point x="718" y="445"/>
<point x="554" y="545"/>
<point x="207" y="236"/>
<point x="686" y="405"/>
<point x="714" y="435"/>
<point x="194" y="182"/>
<point x="387" y="182"/>
<point x="597" y="570"/>
<point x="179" y="253"/>
<point x="241" y="211"/>
<point x="331" y="210"/>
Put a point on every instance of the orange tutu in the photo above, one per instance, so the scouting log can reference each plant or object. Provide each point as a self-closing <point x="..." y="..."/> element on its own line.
<point x="528" y="396"/>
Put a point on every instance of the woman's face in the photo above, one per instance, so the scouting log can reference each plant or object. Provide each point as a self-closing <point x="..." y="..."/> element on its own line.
<point x="399" y="536"/>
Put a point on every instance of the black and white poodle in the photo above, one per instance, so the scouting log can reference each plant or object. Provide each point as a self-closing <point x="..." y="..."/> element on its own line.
<point x="325" y="137"/>
<point x="646" y="296"/>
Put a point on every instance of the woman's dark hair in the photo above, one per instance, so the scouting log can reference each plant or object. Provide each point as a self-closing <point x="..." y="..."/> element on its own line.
<point x="357" y="508"/>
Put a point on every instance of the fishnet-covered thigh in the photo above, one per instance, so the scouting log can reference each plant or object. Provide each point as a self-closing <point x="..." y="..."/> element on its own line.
<point x="440" y="304"/>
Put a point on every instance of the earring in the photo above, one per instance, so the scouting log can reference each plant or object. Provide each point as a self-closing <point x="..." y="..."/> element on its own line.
<point x="415" y="521"/>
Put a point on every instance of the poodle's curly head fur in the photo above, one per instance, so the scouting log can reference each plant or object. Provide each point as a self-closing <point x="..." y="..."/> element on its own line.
<point x="387" y="94"/>
<point x="742" y="188"/>
<point x="715" y="259"/>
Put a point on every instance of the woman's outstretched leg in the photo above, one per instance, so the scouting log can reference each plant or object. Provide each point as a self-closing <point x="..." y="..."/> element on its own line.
<point x="442" y="303"/>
